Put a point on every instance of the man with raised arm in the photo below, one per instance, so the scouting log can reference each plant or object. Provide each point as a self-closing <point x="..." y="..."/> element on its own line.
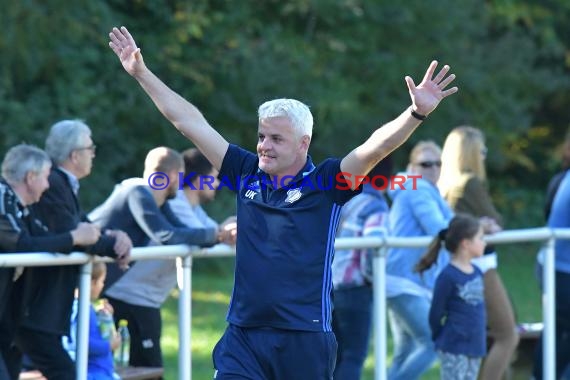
<point x="280" y="313"/>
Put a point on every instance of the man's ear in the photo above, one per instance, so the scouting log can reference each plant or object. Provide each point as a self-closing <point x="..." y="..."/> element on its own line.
<point x="29" y="177"/>
<point x="305" y="142"/>
<point x="73" y="156"/>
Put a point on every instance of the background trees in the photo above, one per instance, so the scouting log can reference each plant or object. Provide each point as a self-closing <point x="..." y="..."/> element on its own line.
<point x="345" y="58"/>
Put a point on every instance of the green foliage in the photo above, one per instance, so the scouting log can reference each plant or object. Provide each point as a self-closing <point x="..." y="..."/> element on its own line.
<point x="345" y="58"/>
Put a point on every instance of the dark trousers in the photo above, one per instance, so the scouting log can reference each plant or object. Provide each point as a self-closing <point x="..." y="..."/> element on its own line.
<point x="46" y="352"/>
<point x="10" y="354"/>
<point x="562" y="329"/>
<point x="274" y="354"/>
<point x="145" y="325"/>
<point x="352" y="319"/>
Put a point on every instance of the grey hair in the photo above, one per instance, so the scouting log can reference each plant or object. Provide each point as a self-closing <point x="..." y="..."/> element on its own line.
<point x="64" y="137"/>
<point x="22" y="159"/>
<point x="297" y="112"/>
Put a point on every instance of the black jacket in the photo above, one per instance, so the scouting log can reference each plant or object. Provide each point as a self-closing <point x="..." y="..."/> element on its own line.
<point x="51" y="289"/>
<point x="16" y="225"/>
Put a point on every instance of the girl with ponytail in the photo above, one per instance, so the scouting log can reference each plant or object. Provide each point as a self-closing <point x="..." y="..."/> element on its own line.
<point x="457" y="313"/>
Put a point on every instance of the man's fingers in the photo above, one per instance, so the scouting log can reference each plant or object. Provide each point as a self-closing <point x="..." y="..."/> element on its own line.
<point x="410" y="83"/>
<point x="452" y="90"/>
<point x="119" y="33"/>
<point x="128" y="36"/>
<point x="114" y="48"/>
<point x="441" y="74"/>
<point x="430" y="71"/>
<point x="113" y="37"/>
<point x="446" y="81"/>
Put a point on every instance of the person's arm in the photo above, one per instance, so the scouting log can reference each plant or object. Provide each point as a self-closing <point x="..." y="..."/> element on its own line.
<point x="438" y="310"/>
<point x="210" y="231"/>
<point x="15" y="238"/>
<point x="427" y="212"/>
<point x="40" y="239"/>
<point x="157" y="227"/>
<point x="477" y="196"/>
<point x="32" y="236"/>
<point x="425" y="98"/>
<point x="181" y="113"/>
<point x="58" y="211"/>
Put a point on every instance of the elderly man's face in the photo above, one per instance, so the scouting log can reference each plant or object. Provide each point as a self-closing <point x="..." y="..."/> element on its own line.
<point x="37" y="183"/>
<point x="84" y="155"/>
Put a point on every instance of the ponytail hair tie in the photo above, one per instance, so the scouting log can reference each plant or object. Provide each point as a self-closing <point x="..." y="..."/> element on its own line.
<point x="442" y="234"/>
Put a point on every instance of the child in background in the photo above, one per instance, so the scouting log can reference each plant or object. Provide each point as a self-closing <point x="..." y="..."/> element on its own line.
<point x="457" y="313"/>
<point x="100" y="359"/>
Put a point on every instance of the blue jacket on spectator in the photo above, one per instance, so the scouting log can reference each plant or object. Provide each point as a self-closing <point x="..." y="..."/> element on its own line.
<point x="416" y="210"/>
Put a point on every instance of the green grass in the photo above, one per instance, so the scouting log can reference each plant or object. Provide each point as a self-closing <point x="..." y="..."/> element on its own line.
<point x="212" y="284"/>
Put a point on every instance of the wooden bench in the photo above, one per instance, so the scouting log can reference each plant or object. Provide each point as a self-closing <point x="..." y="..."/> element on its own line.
<point x="32" y="375"/>
<point x="140" y="373"/>
<point x="126" y="373"/>
<point x="529" y="337"/>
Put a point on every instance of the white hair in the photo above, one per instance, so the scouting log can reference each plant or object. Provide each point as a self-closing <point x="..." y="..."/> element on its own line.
<point x="21" y="160"/>
<point x="64" y="137"/>
<point x="297" y="112"/>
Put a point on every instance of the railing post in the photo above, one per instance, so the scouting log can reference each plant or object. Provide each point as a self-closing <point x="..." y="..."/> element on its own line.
<point x="548" y="310"/>
<point x="82" y="344"/>
<point x="185" y="318"/>
<point x="379" y="296"/>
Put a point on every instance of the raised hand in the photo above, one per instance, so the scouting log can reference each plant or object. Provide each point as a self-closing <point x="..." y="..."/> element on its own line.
<point x="427" y="95"/>
<point x="126" y="49"/>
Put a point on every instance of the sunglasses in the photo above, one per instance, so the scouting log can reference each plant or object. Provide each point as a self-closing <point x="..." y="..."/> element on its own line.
<point x="429" y="164"/>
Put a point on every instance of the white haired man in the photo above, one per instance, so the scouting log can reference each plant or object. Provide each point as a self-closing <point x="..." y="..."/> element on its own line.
<point x="25" y="171"/>
<point x="281" y="310"/>
<point x="47" y="314"/>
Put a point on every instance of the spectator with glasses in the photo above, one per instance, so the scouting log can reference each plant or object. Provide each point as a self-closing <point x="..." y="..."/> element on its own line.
<point x="46" y="315"/>
<point x="416" y="211"/>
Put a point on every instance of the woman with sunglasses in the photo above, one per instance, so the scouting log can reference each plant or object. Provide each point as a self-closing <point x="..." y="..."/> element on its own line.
<point x="463" y="184"/>
<point x="416" y="211"/>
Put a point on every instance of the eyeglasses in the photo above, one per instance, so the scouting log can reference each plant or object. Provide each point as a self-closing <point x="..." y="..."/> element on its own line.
<point x="92" y="148"/>
<point x="429" y="164"/>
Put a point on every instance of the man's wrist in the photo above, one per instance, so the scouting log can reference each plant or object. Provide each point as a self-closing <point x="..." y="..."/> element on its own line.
<point x="417" y="115"/>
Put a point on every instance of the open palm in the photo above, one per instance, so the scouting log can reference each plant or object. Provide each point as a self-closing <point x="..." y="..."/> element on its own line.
<point x="126" y="49"/>
<point x="427" y="95"/>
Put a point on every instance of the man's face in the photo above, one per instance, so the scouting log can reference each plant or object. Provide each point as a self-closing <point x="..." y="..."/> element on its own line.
<point x="172" y="188"/>
<point x="278" y="147"/>
<point x="37" y="183"/>
<point x="83" y="157"/>
<point x="428" y="164"/>
<point x="207" y="188"/>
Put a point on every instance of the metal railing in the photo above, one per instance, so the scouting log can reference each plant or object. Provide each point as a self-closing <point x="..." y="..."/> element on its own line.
<point x="185" y="254"/>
